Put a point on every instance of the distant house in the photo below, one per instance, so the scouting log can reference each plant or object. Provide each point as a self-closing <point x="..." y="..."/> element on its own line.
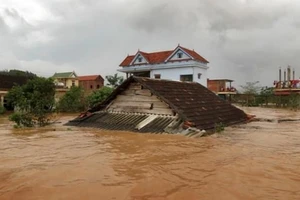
<point x="180" y="64"/>
<point x="221" y="87"/>
<point x="6" y="83"/>
<point x="91" y="83"/>
<point x="65" y="79"/>
<point x="152" y="105"/>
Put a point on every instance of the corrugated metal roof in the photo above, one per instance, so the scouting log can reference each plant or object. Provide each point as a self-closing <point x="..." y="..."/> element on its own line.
<point x="123" y="121"/>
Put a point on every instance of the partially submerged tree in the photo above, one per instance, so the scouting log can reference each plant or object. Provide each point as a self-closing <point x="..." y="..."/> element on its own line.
<point x="72" y="101"/>
<point x="115" y="80"/>
<point x="33" y="102"/>
<point x="98" y="96"/>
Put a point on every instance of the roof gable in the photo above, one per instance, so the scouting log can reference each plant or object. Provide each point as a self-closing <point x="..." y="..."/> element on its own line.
<point x="140" y="58"/>
<point x="65" y="75"/>
<point x="192" y="101"/>
<point x="178" y="55"/>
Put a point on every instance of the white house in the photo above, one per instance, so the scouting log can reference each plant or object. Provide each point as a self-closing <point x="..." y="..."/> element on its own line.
<point x="180" y="64"/>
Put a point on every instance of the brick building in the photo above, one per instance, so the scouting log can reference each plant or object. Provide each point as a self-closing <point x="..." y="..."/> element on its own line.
<point x="91" y="83"/>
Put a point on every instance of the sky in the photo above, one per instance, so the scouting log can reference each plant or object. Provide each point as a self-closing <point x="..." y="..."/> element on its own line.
<point x="244" y="40"/>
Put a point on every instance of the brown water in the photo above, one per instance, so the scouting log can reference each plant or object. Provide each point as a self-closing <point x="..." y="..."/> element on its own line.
<point x="260" y="160"/>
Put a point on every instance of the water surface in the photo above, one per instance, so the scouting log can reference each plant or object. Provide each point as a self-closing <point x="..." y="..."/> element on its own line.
<point x="260" y="160"/>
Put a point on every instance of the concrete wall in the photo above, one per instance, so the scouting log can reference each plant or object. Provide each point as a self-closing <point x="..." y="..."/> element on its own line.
<point x="174" y="74"/>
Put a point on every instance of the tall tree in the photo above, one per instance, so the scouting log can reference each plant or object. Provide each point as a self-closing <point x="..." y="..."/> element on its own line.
<point x="115" y="80"/>
<point x="34" y="102"/>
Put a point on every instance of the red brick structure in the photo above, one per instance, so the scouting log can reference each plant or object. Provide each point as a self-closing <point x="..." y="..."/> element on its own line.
<point x="91" y="83"/>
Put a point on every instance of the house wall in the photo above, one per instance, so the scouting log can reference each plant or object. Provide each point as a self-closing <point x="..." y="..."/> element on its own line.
<point x="215" y="86"/>
<point x="135" y="99"/>
<point x="67" y="81"/>
<point x="174" y="74"/>
<point x="91" y="85"/>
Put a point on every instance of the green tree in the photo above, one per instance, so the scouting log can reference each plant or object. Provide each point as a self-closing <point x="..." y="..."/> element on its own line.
<point x="98" y="96"/>
<point x="115" y="80"/>
<point x="72" y="101"/>
<point x="33" y="102"/>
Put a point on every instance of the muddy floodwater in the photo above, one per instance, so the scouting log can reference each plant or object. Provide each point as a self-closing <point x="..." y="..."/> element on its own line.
<point x="260" y="160"/>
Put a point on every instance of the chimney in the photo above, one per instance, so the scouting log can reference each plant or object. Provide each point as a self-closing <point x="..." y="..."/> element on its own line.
<point x="284" y="76"/>
<point x="279" y="74"/>
<point x="288" y="73"/>
<point x="293" y="74"/>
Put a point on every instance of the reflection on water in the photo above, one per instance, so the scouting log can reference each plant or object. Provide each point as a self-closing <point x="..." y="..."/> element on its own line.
<point x="260" y="160"/>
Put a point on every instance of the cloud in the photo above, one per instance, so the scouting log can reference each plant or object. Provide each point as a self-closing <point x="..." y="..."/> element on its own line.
<point x="244" y="40"/>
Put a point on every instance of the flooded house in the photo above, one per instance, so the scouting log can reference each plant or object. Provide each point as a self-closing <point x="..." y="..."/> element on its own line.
<point x="179" y="64"/>
<point x="161" y="106"/>
<point x="222" y="87"/>
<point x="6" y="83"/>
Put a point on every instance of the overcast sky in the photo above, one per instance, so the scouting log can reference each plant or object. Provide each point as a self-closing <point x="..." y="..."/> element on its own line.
<point x="244" y="40"/>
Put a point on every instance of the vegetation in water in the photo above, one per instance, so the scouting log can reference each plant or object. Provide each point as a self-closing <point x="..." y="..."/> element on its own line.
<point x="73" y="101"/>
<point x="219" y="127"/>
<point x="98" y="96"/>
<point x="2" y="110"/>
<point x="33" y="102"/>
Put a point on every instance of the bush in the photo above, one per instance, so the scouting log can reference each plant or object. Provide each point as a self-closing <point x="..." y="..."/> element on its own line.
<point x="72" y="101"/>
<point x="98" y="96"/>
<point x="2" y="110"/>
<point x="34" y="101"/>
<point x="22" y="119"/>
<point x="219" y="127"/>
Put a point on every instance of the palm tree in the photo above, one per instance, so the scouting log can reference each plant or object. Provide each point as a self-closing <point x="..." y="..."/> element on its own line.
<point x="115" y="80"/>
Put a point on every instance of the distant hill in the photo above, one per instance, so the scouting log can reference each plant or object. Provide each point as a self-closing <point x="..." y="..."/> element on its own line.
<point x="15" y="72"/>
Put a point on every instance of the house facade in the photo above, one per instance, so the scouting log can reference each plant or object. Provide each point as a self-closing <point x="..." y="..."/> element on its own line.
<point x="180" y="64"/>
<point x="65" y="79"/>
<point x="91" y="83"/>
<point x="222" y="87"/>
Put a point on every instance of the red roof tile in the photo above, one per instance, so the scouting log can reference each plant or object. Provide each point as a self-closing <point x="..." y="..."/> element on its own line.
<point x="161" y="56"/>
<point x="195" y="55"/>
<point x="88" y="78"/>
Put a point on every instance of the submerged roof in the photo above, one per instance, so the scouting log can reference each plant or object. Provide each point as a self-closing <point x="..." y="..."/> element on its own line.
<point x="161" y="56"/>
<point x="64" y="75"/>
<point x="192" y="101"/>
<point x="89" y="78"/>
<point x="8" y="81"/>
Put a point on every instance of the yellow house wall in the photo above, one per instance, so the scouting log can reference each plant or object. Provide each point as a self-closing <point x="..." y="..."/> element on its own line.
<point x="69" y="82"/>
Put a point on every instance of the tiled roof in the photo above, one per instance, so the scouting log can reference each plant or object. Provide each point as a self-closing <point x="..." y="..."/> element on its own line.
<point x="8" y="81"/>
<point x="89" y="78"/>
<point x="192" y="101"/>
<point x="161" y="56"/>
<point x="63" y="75"/>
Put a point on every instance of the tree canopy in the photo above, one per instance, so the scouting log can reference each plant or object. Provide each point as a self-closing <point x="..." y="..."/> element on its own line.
<point x="33" y="101"/>
<point x="115" y="80"/>
<point x="98" y="96"/>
